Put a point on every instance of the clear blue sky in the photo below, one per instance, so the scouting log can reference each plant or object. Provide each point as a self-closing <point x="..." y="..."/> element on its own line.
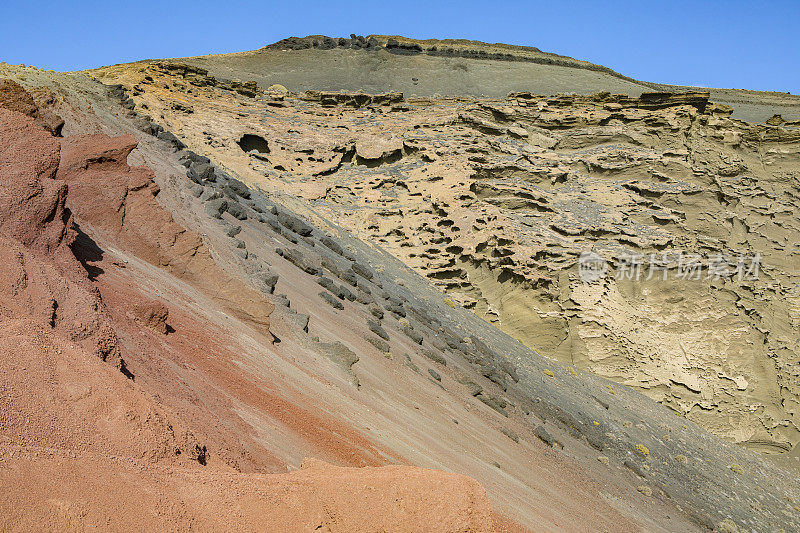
<point x="734" y="43"/>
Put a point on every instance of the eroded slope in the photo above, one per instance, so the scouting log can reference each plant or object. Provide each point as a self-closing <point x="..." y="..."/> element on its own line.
<point x="305" y="153"/>
<point x="352" y="367"/>
<point x="101" y="421"/>
<point x="494" y="201"/>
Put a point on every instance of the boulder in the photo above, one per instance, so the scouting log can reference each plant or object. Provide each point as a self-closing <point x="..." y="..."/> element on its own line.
<point x="152" y="314"/>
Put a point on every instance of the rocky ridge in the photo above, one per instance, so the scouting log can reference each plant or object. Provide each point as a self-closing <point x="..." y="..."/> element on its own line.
<point x="454" y="67"/>
<point x="449" y="48"/>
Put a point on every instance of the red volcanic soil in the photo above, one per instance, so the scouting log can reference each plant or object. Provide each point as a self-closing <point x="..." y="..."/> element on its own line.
<point x="120" y="407"/>
<point x="115" y="494"/>
<point x="118" y="202"/>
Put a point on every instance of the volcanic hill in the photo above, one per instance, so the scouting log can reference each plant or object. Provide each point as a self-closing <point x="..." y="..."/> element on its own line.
<point x="334" y="284"/>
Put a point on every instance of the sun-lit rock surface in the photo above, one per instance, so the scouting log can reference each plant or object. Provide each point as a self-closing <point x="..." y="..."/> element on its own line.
<point x="278" y="282"/>
<point x="495" y="200"/>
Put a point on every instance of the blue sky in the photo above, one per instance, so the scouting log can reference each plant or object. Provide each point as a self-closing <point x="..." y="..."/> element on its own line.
<point x="739" y="44"/>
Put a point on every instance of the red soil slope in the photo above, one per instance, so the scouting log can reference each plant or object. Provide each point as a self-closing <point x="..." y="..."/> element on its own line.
<point x="86" y="440"/>
<point x="114" y="494"/>
<point x="109" y="196"/>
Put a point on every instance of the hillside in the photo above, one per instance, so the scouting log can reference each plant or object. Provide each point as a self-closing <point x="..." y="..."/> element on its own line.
<point x="377" y="64"/>
<point x="236" y="304"/>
